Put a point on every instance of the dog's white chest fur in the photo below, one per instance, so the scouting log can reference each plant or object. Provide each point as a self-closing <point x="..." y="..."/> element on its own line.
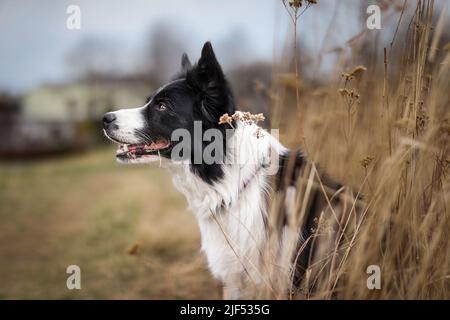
<point x="231" y="213"/>
<point x="233" y="238"/>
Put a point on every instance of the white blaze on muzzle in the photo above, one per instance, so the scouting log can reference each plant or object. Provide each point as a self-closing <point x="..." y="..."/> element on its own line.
<point x="126" y="122"/>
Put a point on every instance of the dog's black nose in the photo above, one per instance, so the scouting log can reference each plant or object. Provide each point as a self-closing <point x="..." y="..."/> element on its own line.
<point x="108" y="118"/>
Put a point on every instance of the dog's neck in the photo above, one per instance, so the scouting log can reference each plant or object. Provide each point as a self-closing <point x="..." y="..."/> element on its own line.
<point x="232" y="211"/>
<point x="248" y="155"/>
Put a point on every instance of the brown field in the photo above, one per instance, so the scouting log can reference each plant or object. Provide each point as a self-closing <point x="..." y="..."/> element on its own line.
<point x="87" y="210"/>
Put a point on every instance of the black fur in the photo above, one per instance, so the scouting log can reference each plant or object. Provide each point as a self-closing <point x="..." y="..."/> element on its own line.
<point x="291" y="165"/>
<point x="198" y="93"/>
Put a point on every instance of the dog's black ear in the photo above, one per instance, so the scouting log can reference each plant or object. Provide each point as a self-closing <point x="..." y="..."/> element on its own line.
<point x="186" y="64"/>
<point x="207" y="76"/>
<point x="207" y="73"/>
<point x="208" y="64"/>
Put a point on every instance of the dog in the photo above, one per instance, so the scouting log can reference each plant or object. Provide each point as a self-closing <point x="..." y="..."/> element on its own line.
<point x="231" y="198"/>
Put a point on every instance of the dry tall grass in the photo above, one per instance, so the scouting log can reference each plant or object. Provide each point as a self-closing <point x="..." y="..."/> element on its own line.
<point x="385" y="131"/>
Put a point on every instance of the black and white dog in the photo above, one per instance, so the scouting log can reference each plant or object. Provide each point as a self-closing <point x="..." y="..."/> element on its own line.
<point x="229" y="198"/>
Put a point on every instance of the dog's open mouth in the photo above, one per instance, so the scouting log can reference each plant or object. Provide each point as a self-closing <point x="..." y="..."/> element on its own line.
<point x="135" y="151"/>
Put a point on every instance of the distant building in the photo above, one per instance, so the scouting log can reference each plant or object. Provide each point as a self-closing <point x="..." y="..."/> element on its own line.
<point x="59" y="118"/>
<point x="80" y="102"/>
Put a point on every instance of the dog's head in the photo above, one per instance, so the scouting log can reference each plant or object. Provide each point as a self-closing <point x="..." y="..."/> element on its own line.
<point x="198" y="93"/>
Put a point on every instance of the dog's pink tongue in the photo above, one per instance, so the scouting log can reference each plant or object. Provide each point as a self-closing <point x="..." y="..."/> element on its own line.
<point x="134" y="147"/>
<point x="155" y="145"/>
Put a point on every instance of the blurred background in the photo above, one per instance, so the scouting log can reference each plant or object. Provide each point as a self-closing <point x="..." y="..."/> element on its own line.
<point x="63" y="198"/>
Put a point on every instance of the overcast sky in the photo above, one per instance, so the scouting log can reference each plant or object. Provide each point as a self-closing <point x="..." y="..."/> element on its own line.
<point x="35" y="43"/>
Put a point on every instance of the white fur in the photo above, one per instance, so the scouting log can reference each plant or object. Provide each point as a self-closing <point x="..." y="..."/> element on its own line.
<point x="127" y="120"/>
<point x="230" y="216"/>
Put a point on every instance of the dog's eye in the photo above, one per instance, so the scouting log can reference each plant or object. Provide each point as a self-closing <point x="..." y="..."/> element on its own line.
<point x="161" y="107"/>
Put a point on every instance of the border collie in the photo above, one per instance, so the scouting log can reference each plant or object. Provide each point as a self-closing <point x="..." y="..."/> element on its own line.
<point x="229" y="198"/>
